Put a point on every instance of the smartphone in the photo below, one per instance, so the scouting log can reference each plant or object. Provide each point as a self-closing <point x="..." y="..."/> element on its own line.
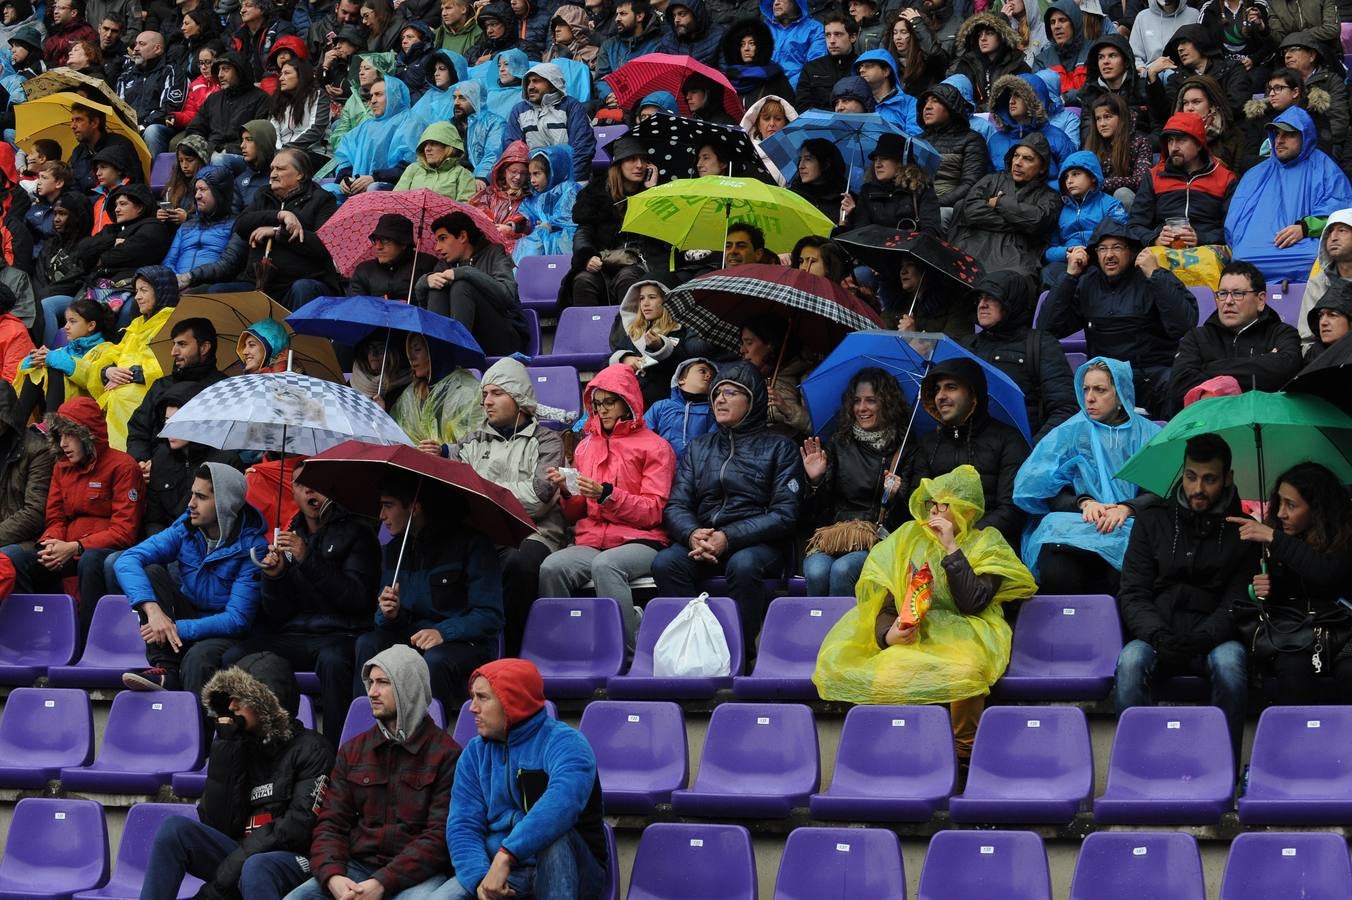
<point x="165" y="205"/>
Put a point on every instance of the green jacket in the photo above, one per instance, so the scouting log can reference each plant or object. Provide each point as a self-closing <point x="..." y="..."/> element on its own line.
<point x="450" y="179"/>
<point x="459" y="41"/>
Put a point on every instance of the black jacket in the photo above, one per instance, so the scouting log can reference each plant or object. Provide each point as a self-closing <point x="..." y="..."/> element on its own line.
<point x="598" y="228"/>
<point x="982" y="71"/>
<point x="334" y="588"/>
<point x="852" y="487"/>
<point x="1131" y="90"/>
<point x="221" y="117"/>
<point x="1230" y="74"/>
<point x="120" y="249"/>
<point x="154" y="92"/>
<point x="963" y="156"/>
<point x="1264" y="356"/>
<point x="490" y="272"/>
<point x="374" y="279"/>
<point x="897" y="207"/>
<point x="291" y="260"/>
<point x="818" y="77"/>
<point x="145" y="423"/>
<point x="172" y="471"/>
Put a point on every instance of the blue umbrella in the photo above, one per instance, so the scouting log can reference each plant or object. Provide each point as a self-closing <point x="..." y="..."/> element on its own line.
<point x="855" y="134"/>
<point x="350" y="320"/>
<point x="907" y="356"/>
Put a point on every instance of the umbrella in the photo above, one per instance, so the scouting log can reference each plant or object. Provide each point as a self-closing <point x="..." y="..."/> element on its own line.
<point x="230" y="314"/>
<point x="717" y="304"/>
<point x="671" y="143"/>
<point x="855" y="134"/>
<point x="65" y="78"/>
<point x="1329" y="375"/>
<point x="884" y="249"/>
<point x="49" y="117"/>
<point x="651" y="72"/>
<point x="350" y="320"/>
<point x="1266" y="433"/>
<point x="908" y="357"/>
<point x="350" y="474"/>
<point x="694" y="213"/>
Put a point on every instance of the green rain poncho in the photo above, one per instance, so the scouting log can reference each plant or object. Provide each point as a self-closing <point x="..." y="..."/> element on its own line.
<point x="956" y="656"/>
<point x="451" y="409"/>
<point x="355" y="110"/>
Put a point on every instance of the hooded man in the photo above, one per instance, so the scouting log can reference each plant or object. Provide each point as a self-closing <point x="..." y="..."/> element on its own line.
<point x="204" y="237"/>
<point x="266" y="770"/>
<point x="797" y="36"/>
<point x="879" y="70"/>
<point x="370" y="154"/>
<point x="1304" y="53"/>
<point x="1067" y="51"/>
<point x="1193" y="51"/>
<point x="548" y="115"/>
<point x="987" y="49"/>
<point x="1188" y="183"/>
<point x="1335" y="269"/>
<point x="691" y="32"/>
<point x="26" y="460"/>
<point x="1023" y="103"/>
<point x="638" y="31"/>
<point x="1155" y="25"/>
<point x="821" y="73"/>
<point x="1110" y="69"/>
<point x="500" y="32"/>
<point x="734" y="502"/>
<point x="1278" y="210"/>
<point x="526" y="804"/>
<point x="188" y="623"/>
<point x="479" y="127"/>
<point x="223" y="115"/>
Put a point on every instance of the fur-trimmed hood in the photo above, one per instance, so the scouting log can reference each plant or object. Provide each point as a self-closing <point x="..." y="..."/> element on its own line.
<point x="265" y="683"/>
<point x="1316" y="103"/>
<point x="966" y="39"/>
<point x="1029" y="88"/>
<point x="82" y="419"/>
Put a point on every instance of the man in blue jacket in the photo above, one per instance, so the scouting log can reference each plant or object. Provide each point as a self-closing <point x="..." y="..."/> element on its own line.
<point x="798" y="36"/>
<point x="480" y="128"/>
<point x="526" y="801"/>
<point x="189" y="622"/>
<point x="638" y="30"/>
<point x="879" y="70"/>
<point x="548" y="116"/>
<point x="691" y="32"/>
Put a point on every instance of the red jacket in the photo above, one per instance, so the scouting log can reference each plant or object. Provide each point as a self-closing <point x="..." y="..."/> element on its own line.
<point x="199" y="89"/>
<point x="56" y="48"/>
<point x="98" y="502"/>
<point x="15" y="344"/>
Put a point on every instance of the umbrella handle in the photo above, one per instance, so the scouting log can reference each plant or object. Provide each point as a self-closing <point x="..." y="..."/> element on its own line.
<point x="910" y="424"/>
<point x="253" y="554"/>
<point x="403" y="542"/>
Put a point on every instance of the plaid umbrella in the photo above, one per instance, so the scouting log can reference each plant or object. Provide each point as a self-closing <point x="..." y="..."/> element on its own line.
<point x="672" y="143"/>
<point x="822" y="312"/>
<point x="885" y="249"/>
<point x="651" y="72"/>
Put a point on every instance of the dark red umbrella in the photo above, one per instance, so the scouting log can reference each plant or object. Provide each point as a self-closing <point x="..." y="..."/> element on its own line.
<point x="651" y="72"/>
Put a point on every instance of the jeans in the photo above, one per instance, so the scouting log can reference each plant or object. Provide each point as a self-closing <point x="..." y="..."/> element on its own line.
<point x="53" y="314"/>
<point x="567" y="570"/>
<point x="186" y="846"/>
<point x="157" y="140"/>
<point x="833" y="576"/>
<point x="330" y="656"/>
<point x="302" y="291"/>
<point x="1225" y="666"/>
<point x="359" y="872"/>
<point x="198" y="660"/>
<point x="449" y="664"/>
<point x="565" y="870"/>
<point x="31" y="577"/>
<point x="677" y="575"/>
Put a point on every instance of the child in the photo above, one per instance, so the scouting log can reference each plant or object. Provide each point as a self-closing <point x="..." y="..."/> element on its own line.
<point x="686" y="414"/>
<point x="110" y="167"/>
<point x="25" y="50"/>
<point x="88" y="324"/>
<point x="896" y="194"/>
<point x="546" y="216"/>
<point x="1083" y="206"/>
<point x="438" y="167"/>
<point x="53" y="177"/>
<point x="31" y="163"/>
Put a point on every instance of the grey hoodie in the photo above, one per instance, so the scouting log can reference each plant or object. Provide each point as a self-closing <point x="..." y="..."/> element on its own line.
<point x="1321" y="280"/>
<point x="412" y="688"/>
<point x="229" y="486"/>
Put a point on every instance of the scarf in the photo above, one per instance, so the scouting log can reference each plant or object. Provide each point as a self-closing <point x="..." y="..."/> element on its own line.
<point x="876" y="440"/>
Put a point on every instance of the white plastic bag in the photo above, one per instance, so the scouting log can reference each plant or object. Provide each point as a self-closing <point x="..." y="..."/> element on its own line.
<point x="693" y="644"/>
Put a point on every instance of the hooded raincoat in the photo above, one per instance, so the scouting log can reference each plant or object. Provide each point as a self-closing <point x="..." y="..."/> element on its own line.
<point x="548" y="214"/>
<point x="449" y="178"/>
<point x="1323" y="282"/>
<point x="494" y="198"/>
<point x="762" y="76"/>
<point x="483" y="129"/>
<point x="556" y="119"/>
<point x="702" y="41"/>
<point x="795" y="42"/>
<point x="354" y="110"/>
<point x="898" y="107"/>
<point x="983" y="71"/>
<point x="450" y="409"/>
<point x="435" y="104"/>
<point x="962" y="150"/>
<point x="96" y="501"/>
<point x="1067" y="61"/>
<point x="373" y="147"/>
<point x="1008" y="132"/>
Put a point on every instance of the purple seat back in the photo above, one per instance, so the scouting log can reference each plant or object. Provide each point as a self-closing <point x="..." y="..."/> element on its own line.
<point x="874" y="738"/>
<point x="611" y="889"/>
<point x="659" y="612"/>
<point x="1280" y="866"/>
<point x="1206" y="302"/>
<point x="306" y="712"/>
<point x="841" y="864"/>
<point x="1131" y="866"/>
<point x="582" y="338"/>
<point x="1018" y="747"/>
<point x="159" y="731"/>
<point x="532" y="332"/>
<point x="792" y="634"/>
<point x="557" y="386"/>
<point x="677" y="862"/>
<point x="114" y="646"/>
<point x="961" y="865"/>
<point x="538" y="279"/>
<point x="760" y="748"/>
<point x="133" y="852"/>
<point x="1065" y="648"/>
<point x="161" y="169"/>
<point x="359" y="718"/>
<point x="581" y="636"/>
<point x="42" y="730"/>
<point x="464" y="730"/>
<point x="1287" y="302"/>
<point x="641" y="751"/>
<point x="605" y="134"/>
<point x="36" y="631"/>
<point x="54" y="848"/>
<point x="1074" y="341"/>
<point x="1168" y="765"/>
<point x="1300" y="771"/>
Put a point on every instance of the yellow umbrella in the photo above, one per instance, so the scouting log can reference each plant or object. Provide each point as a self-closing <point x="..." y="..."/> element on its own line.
<point x="67" y="79"/>
<point x="49" y="117"/>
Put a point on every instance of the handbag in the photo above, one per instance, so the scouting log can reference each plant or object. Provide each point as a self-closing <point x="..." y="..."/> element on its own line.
<point x="1285" y="629"/>
<point x="853" y="535"/>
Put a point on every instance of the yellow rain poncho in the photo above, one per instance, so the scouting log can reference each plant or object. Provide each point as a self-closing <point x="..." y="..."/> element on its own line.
<point x="452" y="408"/>
<point x="956" y="656"/>
<point x="133" y="349"/>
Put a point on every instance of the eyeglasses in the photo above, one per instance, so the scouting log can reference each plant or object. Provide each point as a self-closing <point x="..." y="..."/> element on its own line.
<point x="1111" y="248"/>
<point x="935" y="506"/>
<point x="1234" y="295"/>
<point x="606" y="402"/>
<point x="1278" y="88"/>
<point x="729" y="393"/>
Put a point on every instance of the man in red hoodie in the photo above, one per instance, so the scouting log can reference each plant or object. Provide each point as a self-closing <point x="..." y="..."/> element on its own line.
<point x="94" y="508"/>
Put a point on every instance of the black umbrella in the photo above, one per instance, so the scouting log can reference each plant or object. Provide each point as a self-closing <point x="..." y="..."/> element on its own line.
<point x="885" y="249"/>
<point x="672" y="143"/>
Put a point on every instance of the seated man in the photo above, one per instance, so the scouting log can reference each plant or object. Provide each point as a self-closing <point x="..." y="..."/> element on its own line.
<point x="733" y="512"/>
<point x="373" y="155"/>
<point x="357" y="845"/>
<point x="1335" y="269"/>
<point x="26" y="459"/>
<point x="1244" y="338"/>
<point x="1188" y="188"/>
<point x="523" y="760"/>
<point x="480" y="128"/>
<point x="192" y="348"/>
<point x="189" y="623"/>
<point x="744" y="244"/>
<point x="395" y="266"/>
<point x="548" y="115"/>
<point x="204" y="238"/>
<point x="1184" y="569"/>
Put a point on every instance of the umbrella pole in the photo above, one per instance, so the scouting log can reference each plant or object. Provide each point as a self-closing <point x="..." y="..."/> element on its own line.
<point x="784" y="345"/>
<point x="403" y="541"/>
<point x="413" y="275"/>
<point x="906" y="436"/>
<point x="384" y="356"/>
<point x="919" y="285"/>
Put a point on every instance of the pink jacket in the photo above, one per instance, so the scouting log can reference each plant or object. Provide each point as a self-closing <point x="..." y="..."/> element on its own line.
<point x="634" y="459"/>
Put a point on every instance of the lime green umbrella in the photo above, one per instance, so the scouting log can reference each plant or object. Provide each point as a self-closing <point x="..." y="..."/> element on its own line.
<point x="694" y="213"/>
<point x="1267" y="434"/>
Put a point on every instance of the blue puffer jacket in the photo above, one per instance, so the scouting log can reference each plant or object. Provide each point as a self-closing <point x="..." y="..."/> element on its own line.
<point x="704" y="43"/>
<point x="1079" y="218"/>
<point x="742" y="479"/>
<point x="796" y="42"/>
<point x="897" y="107"/>
<point x="200" y="240"/>
<point x="679" y="419"/>
<point x="1033" y="91"/>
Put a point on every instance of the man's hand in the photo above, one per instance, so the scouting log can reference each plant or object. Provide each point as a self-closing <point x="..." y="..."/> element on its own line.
<point x="712" y="547"/>
<point x="290" y="542"/>
<point x="341" y="887"/>
<point x="698" y="542"/>
<point x="389" y="602"/>
<point x="1146" y="262"/>
<point x="439" y="281"/>
<point x="429" y="446"/>
<point x="494" y="885"/>
<point x="183" y="280"/>
<point x="1288" y="237"/>
<point x="55" y="554"/>
<point x="358" y="185"/>
<point x="159" y="628"/>
<point x="290" y="223"/>
<point x="426" y="639"/>
<point x="261" y="235"/>
<point x="274" y="563"/>
<point x="994" y="199"/>
<point x="594" y="264"/>
<point x="1153" y="70"/>
<point x="370" y="889"/>
<point x="1077" y="260"/>
<point x="1112" y="518"/>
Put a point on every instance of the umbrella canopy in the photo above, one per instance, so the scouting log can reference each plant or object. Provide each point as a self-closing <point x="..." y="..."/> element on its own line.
<point x="351" y="474"/>
<point x="694" y="213"/>
<point x="908" y="356"/>
<point x="49" y="117"/>
<point x="1329" y="375"/>
<point x="885" y="249"/>
<point x="350" y="320"/>
<point x="854" y="134"/>
<point x="1267" y="434"/>
<point x="284" y="412"/>
<point x="54" y="81"/>
<point x="820" y="311"/>
<point x="347" y="233"/>
<point x="651" y="72"/>
<point x="672" y="143"/>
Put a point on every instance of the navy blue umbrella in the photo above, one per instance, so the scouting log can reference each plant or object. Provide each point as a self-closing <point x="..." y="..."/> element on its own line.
<point x="855" y="134"/>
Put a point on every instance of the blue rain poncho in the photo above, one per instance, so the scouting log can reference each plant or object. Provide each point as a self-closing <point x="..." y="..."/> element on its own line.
<point x="550" y="212"/>
<point x="436" y="104"/>
<point x="375" y="144"/>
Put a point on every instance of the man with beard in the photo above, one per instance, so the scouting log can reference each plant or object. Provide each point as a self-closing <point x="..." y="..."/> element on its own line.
<point x="548" y="116"/>
<point x="154" y="87"/>
<point x="193" y="349"/>
<point x="1188" y="184"/>
<point x="68" y="26"/>
<point x="690" y="32"/>
<point x="638" y="30"/>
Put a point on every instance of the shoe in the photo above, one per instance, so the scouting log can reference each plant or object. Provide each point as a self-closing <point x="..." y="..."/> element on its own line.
<point x="154" y="679"/>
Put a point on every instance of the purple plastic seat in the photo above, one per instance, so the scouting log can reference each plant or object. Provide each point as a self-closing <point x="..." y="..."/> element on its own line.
<point x="133" y="853"/>
<point x="1065" y="648"/>
<point x="54" y="848"/>
<point x="576" y="643"/>
<point x="870" y="784"/>
<point x="464" y="730"/>
<point x="1287" y="302"/>
<point x="190" y="784"/>
<point x="965" y="865"/>
<point x="639" y="682"/>
<point x="37" y="631"/>
<point x="1029" y="764"/>
<point x="42" y="730"/>
<point x="641" y="752"/>
<point x="1137" y="865"/>
<point x="677" y="862"/>
<point x="1072" y="342"/>
<point x="1278" y="866"/>
<point x="533" y="332"/>
<point x="161" y="168"/>
<point x="1075" y="359"/>
<point x="582" y="338"/>
<point x="359" y="718"/>
<point x="308" y="682"/>
<point x="114" y="647"/>
<point x="557" y="386"/>
<point x="1206" y="302"/>
<point x="149" y="737"/>
<point x="1169" y="766"/>
<point x="538" y="279"/>
<point x="760" y="760"/>
<point x="604" y="135"/>
<point x="790" y="638"/>
<point x="841" y="864"/>
<point x="306" y="712"/>
<point x="1300" y="772"/>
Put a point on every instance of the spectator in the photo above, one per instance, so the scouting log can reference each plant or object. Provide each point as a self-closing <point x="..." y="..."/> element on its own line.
<point x="1109" y="70"/>
<point x="1123" y="151"/>
<point x="198" y="29"/>
<point x="459" y="30"/>
<point x="379" y="368"/>
<point x="1241" y="31"/>
<point x="1334" y="264"/>
<point x="191" y="155"/>
<point x="440" y="70"/>
<point x="54" y="179"/>
<point x="638" y="31"/>
<point x="356" y="846"/>
<point x="109" y="168"/>
<point x="548" y="116"/>
<point x="733" y="512"/>
<point x="1185" y="569"/>
<point x="258" y="32"/>
<point x="691" y="32"/>
<point x="1204" y="97"/>
<point x="1067" y="52"/>
<point x="1288" y="17"/>
<point x="852" y="95"/>
<point x="300" y="111"/>
<point x="155" y="87"/>
<point x="987" y="49"/>
<point x="258" y="805"/>
<point x="1189" y="183"/>
<point x="821" y="72"/>
<point x="1329" y="321"/>
<point x="547" y="214"/>
<point x="653" y="341"/>
<point x="686" y="414"/>
<point x="1083" y="205"/>
<point x="169" y="471"/>
<point x="441" y="404"/>
<point x="764" y="118"/>
<point x="413" y="54"/>
<point x="879" y="70"/>
<point x="1019" y="107"/>
<point x="963" y="157"/>
<point x="134" y="239"/>
<point x="369" y="157"/>
<point x="557" y="848"/>
<point x="921" y="60"/>
<point x="347" y="77"/>
<point x="193" y="351"/>
<point x="63" y="263"/>
<point x="16" y="243"/>
<point x="797" y="36"/>
<point x="822" y="179"/>
<point x="943" y="21"/>
<point x="1305" y="52"/>
<point x="1068" y="120"/>
<point x="92" y="137"/>
<point x="896" y="192"/>
<point x="571" y="36"/>
<point x="395" y="265"/>
<point x="1285" y="89"/>
<point x="222" y="115"/>
<point x="252" y="170"/>
<point x="500" y="32"/>
<point x="1192" y="51"/>
<point x="747" y="48"/>
<point x="480" y="129"/>
<point x="383" y="24"/>
<point x="25" y="47"/>
<point x="15" y="342"/>
<point x="767" y="344"/>
<point x="1152" y="29"/>
<point x="202" y="85"/>
<point x="15" y="14"/>
<point x="507" y="188"/>
<point x="26" y="459"/>
<point x="474" y="284"/>
<point x="203" y="238"/>
<point x="68" y="26"/>
<point x="112" y="43"/>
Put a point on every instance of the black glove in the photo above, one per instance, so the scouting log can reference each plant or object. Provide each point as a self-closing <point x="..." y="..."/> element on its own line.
<point x="229" y="726"/>
<point x="219" y="703"/>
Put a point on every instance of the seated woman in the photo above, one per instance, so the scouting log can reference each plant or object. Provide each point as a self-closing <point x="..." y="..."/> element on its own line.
<point x="508" y="186"/>
<point x="88" y="326"/>
<point x="767" y="345"/>
<point x="438" y="165"/>
<point x="368" y="157"/>
<point x="850" y="488"/>
<point x="624" y="478"/>
<point x="1330" y="319"/>
<point x="889" y="649"/>
<point x="265" y="346"/>
<point x="896" y="192"/>
<point x="190" y="156"/>
<point x="441" y="403"/>
<point x="1078" y="545"/>
<point x="379" y="368"/>
<point x="300" y="110"/>
<point x="1306" y="536"/>
<point x="546" y="215"/>
<point x="135" y="239"/>
<point x="652" y="339"/>
<point x="822" y="177"/>
<point x="63" y="265"/>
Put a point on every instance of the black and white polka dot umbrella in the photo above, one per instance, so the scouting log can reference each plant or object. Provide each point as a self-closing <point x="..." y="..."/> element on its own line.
<point x="672" y="143"/>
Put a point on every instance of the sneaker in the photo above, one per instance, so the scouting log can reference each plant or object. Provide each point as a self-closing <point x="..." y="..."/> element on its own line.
<point x="155" y="679"/>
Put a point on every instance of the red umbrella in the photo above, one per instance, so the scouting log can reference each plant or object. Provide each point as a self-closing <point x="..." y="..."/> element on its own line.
<point x="650" y="72"/>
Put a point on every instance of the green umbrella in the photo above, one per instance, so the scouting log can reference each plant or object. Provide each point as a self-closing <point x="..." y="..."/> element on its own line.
<point x="694" y="213"/>
<point x="1267" y="434"/>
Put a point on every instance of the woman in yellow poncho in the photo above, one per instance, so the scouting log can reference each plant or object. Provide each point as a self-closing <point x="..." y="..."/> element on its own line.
<point x="88" y="325"/>
<point x="961" y="646"/>
<point x="441" y="404"/>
